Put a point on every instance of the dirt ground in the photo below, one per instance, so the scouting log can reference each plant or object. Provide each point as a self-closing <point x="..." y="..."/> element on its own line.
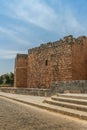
<point x="18" y="116"/>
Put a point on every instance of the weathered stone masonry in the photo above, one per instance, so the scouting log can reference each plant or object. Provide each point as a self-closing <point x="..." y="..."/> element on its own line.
<point x="21" y="71"/>
<point x="63" y="60"/>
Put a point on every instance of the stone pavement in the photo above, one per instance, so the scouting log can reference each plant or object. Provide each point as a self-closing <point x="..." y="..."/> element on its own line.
<point x="28" y="99"/>
<point x="18" y="116"/>
<point x="77" y="106"/>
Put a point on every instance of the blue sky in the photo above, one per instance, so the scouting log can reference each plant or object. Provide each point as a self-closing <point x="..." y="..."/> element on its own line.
<point x="28" y="23"/>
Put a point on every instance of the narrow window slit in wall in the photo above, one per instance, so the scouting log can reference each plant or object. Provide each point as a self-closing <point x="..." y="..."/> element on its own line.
<point x="46" y="62"/>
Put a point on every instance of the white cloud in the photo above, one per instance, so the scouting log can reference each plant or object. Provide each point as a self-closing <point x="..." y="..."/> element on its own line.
<point x="9" y="54"/>
<point x="34" y="12"/>
<point x="70" y="22"/>
<point x="12" y="34"/>
<point x="39" y="13"/>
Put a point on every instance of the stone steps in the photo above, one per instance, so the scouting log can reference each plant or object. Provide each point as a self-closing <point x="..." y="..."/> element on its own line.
<point x="75" y="96"/>
<point x="69" y="105"/>
<point x="70" y="100"/>
<point x="40" y="103"/>
<point x="65" y="111"/>
<point x="58" y="109"/>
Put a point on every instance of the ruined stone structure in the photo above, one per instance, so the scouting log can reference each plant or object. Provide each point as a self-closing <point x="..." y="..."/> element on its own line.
<point x="63" y="60"/>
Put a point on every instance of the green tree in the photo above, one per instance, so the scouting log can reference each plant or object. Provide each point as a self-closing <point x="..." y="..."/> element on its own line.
<point x="7" y="79"/>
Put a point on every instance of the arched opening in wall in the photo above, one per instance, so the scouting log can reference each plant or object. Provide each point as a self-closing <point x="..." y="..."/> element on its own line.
<point x="46" y="62"/>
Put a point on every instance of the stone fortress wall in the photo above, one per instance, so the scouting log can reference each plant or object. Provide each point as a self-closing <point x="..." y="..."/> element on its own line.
<point x="63" y="60"/>
<point x="20" y="72"/>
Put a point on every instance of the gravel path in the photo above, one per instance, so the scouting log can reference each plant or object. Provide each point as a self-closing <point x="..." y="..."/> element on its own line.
<point x="17" y="116"/>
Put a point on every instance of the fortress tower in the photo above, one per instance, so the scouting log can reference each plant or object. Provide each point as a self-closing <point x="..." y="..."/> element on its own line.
<point x="62" y="60"/>
<point x="20" y="77"/>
